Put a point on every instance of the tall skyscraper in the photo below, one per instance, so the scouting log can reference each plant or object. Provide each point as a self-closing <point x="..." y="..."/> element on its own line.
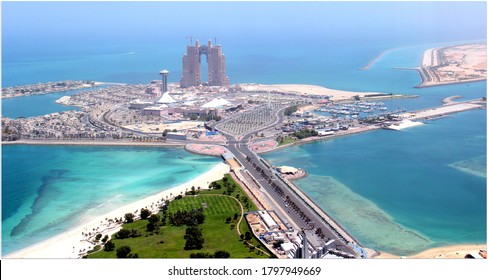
<point x="192" y="65"/>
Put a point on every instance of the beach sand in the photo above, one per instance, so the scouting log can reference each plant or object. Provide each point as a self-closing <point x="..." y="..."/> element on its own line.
<point x="108" y="142"/>
<point x="445" y="252"/>
<point x="453" y="64"/>
<point x="70" y="243"/>
<point x="311" y="90"/>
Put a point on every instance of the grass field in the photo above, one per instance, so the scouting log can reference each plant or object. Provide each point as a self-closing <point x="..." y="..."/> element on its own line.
<point x="218" y="234"/>
<point x="286" y="140"/>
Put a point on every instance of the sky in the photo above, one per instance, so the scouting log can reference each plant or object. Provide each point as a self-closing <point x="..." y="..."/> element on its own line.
<point x="47" y="31"/>
<point x="109" y="22"/>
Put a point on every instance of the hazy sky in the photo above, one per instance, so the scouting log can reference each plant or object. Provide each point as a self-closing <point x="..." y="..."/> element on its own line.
<point x="117" y="20"/>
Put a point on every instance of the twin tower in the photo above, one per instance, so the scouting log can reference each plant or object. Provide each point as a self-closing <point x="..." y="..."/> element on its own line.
<point x="192" y="65"/>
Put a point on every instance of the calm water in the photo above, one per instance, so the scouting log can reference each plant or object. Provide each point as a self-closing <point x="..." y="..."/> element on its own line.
<point x="402" y="191"/>
<point x="36" y="105"/>
<point x="49" y="189"/>
<point x="405" y="191"/>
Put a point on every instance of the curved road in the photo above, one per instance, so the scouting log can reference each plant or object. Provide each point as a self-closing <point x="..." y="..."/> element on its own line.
<point x="252" y="163"/>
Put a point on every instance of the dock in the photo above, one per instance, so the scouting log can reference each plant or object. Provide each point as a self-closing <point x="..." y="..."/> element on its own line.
<point x="451" y="108"/>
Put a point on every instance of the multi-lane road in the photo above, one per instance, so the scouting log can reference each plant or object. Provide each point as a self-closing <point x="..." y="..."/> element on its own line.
<point x="280" y="192"/>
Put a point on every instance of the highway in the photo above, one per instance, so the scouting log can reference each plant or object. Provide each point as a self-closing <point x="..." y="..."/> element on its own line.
<point x="280" y="192"/>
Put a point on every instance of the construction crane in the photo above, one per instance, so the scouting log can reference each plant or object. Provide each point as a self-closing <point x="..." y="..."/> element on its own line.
<point x="191" y="39"/>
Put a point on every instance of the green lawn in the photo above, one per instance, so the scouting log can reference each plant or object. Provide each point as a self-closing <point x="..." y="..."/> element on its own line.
<point x="218" y="234"/>
<point x="287" y="140"/>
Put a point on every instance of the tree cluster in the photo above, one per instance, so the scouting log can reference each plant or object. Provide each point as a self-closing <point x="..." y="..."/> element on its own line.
<point x="126" y="233"/>
<point x="190" y="218"/>
<point x="194" y="191"/>
<point x="248" y="235"/>
<point x="290" y="110"/>
<point x="206" y="118"/>
<point x="145" y="213"/>
<point x="217" y="255"/>
<point x="194" y="238"/>
<point x="129" y="217"/>
<point x="214" y="185"/>
<point x="305" y="133"/>
<point x="109" y="246"/>
<point x="154" y="221"/>
<point x="229" y="186"/>
<point x="124" y="252"/>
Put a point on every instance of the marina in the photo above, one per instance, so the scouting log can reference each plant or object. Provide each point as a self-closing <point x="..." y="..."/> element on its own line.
<point x="355" y="110"/>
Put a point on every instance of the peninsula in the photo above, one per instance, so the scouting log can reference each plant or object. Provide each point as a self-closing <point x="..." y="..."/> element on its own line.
<point x="45" y="88"/>
<point x="454" y="64"/>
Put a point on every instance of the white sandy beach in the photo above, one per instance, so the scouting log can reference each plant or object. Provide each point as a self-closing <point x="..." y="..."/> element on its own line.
<point x="306" y="90"/>
<point x="70" y="243"/>
<point x="444" y="252"/>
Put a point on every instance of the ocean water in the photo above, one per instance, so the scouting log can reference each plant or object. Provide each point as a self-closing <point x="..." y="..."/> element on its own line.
<point x="37" y="105"/>
<point x="47" y="190"/>
<point x="405" y="191"/>
<point x="401" y="191"/>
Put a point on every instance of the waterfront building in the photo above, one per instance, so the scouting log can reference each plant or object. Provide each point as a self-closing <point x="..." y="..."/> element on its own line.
<point x="192" y="65"/>
<point x="164" y="80"/>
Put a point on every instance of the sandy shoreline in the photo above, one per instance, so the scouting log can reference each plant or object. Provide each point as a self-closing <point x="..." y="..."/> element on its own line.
<point x="89" y="143"/>
<point x="70" y="243"/>
<point x="453" y="65"/>
<point x="84" y="86"/>
<point x="307" y="90"/>
<point x="444" y="252"/>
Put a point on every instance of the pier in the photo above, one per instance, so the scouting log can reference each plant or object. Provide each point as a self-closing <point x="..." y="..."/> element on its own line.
<point x="375" y="59"/>
<point x="450" y="108"/>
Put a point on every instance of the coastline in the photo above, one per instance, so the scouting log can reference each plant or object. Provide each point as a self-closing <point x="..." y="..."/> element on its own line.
<point x="426" y="84"/>
<point x="307" y="90"/>
<point x="90" y="143"/>
<point x="84" y="86"/>
<point x="70" y="243"/>
<point x="320" y="138"/>
<point x="431" y="72"/>
<point x="441" y="252"/>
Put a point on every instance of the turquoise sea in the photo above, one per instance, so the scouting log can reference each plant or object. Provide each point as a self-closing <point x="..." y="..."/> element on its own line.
<point x="49" y="189"/>
<point x="397" y="191"/>
<point x="36" y="105"/>
<point x="401" y="191"/>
